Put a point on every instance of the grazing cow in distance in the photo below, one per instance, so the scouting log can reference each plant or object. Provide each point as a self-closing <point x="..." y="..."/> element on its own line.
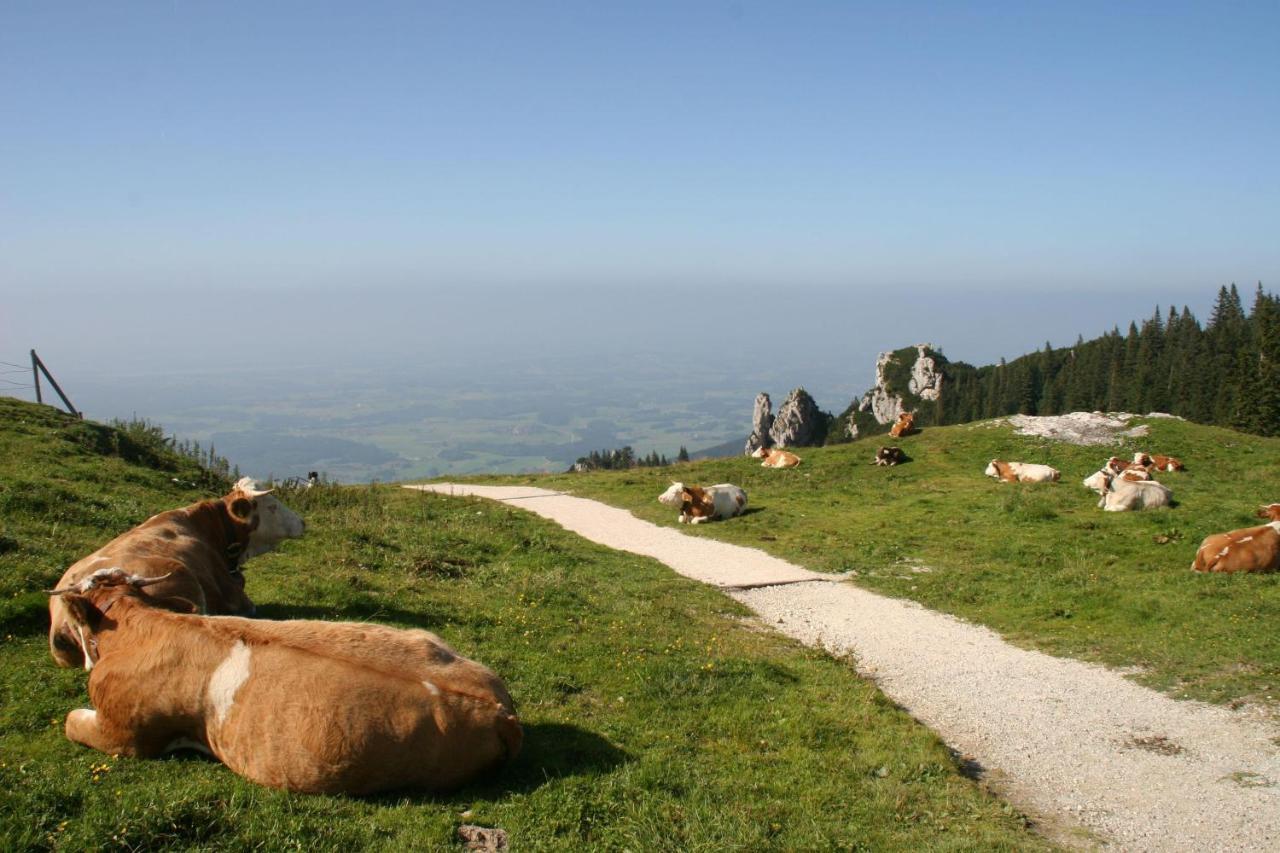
<point x="1252" y="549"/>
<point x="199" y="549"/>
<point x="698" y="505"/>
<point x="905" y="426"/>
<point x="1160" y="463"/>
<point x="776" y="458"/>
<point x="1123" y="495"/>
<point x="890" y="456"/>
<point x="314" y="707"/>
<point x="313" y="478"/>
<point x="1021" y="472"/>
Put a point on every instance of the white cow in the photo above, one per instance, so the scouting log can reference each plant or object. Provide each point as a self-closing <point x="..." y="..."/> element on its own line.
<point x="1021" y="472"/>
<point x="698" y="505"/>
<point x="1121" y="495"/>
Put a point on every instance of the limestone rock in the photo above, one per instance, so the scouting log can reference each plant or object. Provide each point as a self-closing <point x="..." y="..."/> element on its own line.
<point x="885" y="403"/>
<point x="761" y="423"/>
<point x="799" y="423"/>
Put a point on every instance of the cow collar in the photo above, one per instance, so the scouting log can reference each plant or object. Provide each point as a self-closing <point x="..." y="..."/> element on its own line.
<point x="235" y="548"/>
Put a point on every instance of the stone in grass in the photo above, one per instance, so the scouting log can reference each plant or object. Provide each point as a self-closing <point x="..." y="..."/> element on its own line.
<point x="483" y="839"/>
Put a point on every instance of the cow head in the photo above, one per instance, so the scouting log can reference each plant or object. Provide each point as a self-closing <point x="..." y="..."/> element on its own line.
<point x="993" y="468"/>
<point x="1098" y="481"/>
<point x="675" y="496"/>
<point x="1271" y="512"/>
<point x="1143" y="459"/>
<point x="760" y="452"/>
<point x="269" y="521"/>
<point x="87" y="603"/>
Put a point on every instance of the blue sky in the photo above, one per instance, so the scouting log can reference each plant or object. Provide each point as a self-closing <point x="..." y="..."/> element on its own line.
<point x="1021" y="146"/>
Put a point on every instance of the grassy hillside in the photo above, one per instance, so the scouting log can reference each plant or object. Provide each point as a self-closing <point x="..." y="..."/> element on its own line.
<point x="1041" y="564"/>
<point x="656" y="716"/>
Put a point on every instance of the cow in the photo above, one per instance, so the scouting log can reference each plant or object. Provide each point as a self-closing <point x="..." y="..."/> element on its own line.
<point x="314" y="707"/>
<point x="313" y="479"/>
<point x="1021" y="472"/>
<point x="1097" y="481"/>
<point x="200" y="549"/>
<point x="1122" y="495"/>
<point x="1160" y="463"/>
<point x="698" y="505"/>
<point x="905" y="425"/>
<point x="776" y="458"/>
<point x="1116" y="466"/>
<point x="890" y="456"/>
<point x="1252" y="549"/>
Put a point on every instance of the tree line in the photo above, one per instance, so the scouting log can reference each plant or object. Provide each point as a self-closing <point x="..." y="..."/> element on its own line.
<point x="622" y="458"/>
<point x="1225" y="373"/>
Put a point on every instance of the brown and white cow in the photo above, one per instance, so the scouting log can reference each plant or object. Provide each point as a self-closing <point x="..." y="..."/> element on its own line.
<point x="1116" y="466"/>
<point x="905" y="425"/>
<point x="1021" y="472"/>
<point x="1099" y="480"/>
<point x="890" y="456"/>
<point x="776" y="458"/>
<point x="1120" y="494"/>
<point x="199" y="549"/>
<point x="316" y="707"/>
<point x="1251" y="549"/>
<point x="1160" y="463"/>
<point x="698" y="505"/>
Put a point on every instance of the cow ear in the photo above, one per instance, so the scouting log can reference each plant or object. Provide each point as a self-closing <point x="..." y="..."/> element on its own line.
<point x="241" y="509"/>
<point x="82" y="610"/>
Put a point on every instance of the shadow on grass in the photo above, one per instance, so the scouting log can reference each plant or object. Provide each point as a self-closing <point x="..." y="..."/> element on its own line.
<point x="355" y="610"/>
<point x="551" y="751"/>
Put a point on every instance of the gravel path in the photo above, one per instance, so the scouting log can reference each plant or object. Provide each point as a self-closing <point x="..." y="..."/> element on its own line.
<point x="1076" y="743"/>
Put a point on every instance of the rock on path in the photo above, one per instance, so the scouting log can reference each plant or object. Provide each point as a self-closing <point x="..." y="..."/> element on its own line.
<point x="1076" y="742"/>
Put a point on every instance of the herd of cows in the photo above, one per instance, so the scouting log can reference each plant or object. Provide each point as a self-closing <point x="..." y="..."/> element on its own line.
<point x="157" y="618"/>
<point x="1123" y="486"/>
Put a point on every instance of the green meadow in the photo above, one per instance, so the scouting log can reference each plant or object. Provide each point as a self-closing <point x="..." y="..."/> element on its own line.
<point x="1041" y="564"/>
<point x="658" y="716"/>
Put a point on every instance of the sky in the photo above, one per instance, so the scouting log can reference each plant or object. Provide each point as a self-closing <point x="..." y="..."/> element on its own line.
<point x="261" y="168"/>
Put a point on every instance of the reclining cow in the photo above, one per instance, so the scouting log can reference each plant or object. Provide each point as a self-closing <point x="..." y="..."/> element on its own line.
<point x="775" y="457"/>
<point x="1099" y="480"/>
<point x="905" y="425"/>
<point x="698" y="505"/>
<point x="315" y="707"/>
<point x="890" y="456"/>
<point x="1021" y="472"/>
<point x="1158" y="462"/>
<point x="1123" y="495"/>
<point x="199" y="549"/>
<point x="1252" y="549"/>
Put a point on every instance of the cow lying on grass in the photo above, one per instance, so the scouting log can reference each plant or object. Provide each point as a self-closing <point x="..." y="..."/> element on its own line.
<point x="890" y="456"/>
<point x="198" y="549"/>
<point x="905" y="425"/>
<point x="1099" y="480"/>
<point x="315" y="707"/>
<point x="775" y="458"/>
<point x="1123" y="495"/>
<point x="1160" y="463"/>
<point x="699" y="505"/>
<point x="1021" y="472"/>
<point x="1251" y="549"/>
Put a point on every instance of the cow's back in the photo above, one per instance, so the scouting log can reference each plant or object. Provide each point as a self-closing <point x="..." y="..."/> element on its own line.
<point x="365" y="708"/>
<point x="729" y="500"/>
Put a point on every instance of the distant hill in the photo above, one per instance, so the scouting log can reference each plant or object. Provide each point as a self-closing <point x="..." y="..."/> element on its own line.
<point x="732" y="447"/>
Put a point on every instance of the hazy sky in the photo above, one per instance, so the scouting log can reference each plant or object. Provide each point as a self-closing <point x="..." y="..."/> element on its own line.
<point x="788" y="186"/>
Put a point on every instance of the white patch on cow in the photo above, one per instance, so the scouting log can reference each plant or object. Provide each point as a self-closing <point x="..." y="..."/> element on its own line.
<point x="1245" y="539"/>
<point x="1224" y="551"/>
<point x="187" y="743"/>
<point x="1274" y="525"/>
<point x="227" y="679"/>
<point x="84" y="647"/>
<point x="431" y="688"/>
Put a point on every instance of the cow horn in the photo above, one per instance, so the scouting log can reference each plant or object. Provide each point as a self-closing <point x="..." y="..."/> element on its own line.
<point x="139" y="582"/>
<point x="62" y="591"/>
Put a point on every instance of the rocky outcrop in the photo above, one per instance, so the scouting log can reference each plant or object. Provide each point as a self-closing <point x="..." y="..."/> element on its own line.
<point x="904" y="378"/>
<point x="799" y="423"/>
<point x="761" y="423"/>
